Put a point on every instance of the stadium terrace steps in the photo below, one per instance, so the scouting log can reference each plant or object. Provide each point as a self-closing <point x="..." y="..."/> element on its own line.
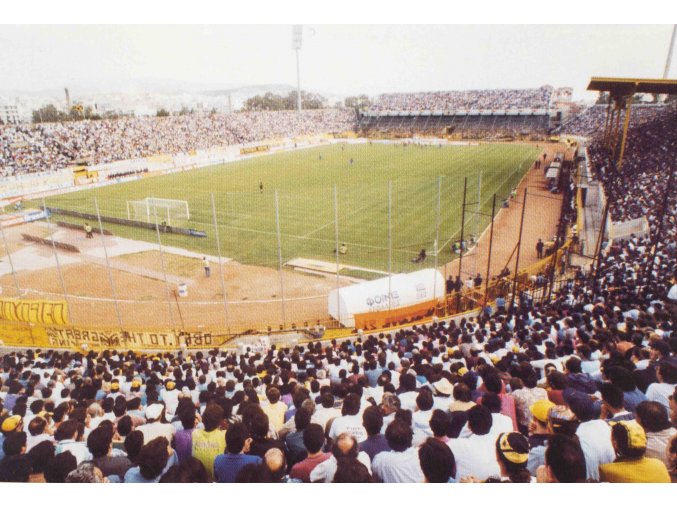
<point x="317" y="267"/>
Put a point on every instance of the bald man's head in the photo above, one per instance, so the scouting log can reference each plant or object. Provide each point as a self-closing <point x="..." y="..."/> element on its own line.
<point x="274" y="460"/>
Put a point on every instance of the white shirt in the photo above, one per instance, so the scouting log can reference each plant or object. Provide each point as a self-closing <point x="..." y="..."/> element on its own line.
<point x="500" y="424"/>
<point x="595" y="438"/>
<point x="348" y="424"/>
<point x="659" y="392"/>
<point x="323" y="415"/>
<point x="393" y="466"/>
<point x="325" y="471"/>
<point x="408" y="400"/>
<point x="156" y="429"/>
<point x="171" y="399"/>
<point x="475" y="455"/>
<point x="77" y="449"/>
<point x="421" y="421"/>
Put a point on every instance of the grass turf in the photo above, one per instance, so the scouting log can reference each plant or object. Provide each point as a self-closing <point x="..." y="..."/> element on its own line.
<point x="305" y="180"/>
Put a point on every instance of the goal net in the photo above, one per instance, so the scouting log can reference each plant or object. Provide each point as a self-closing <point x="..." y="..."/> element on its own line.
<point x="167" y="211"/>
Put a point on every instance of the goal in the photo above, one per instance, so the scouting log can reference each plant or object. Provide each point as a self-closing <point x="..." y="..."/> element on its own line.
<point x="150" y="209"/>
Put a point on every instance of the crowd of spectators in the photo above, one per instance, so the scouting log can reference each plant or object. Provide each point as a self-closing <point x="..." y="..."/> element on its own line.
<point x="582" y="388"/>
<point x="590" y="122"/>
<point x="52" y="146"/>
<point x="530" y="98"/>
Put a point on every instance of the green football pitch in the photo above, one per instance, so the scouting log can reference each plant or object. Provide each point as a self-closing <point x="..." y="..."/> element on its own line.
<point x="304" y="181"/>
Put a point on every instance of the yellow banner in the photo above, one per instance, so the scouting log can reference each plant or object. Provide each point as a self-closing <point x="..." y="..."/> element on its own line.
<point x="37" y="312"/>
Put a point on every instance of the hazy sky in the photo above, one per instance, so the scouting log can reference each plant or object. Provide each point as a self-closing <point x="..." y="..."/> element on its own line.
<point x="334" y="59"/>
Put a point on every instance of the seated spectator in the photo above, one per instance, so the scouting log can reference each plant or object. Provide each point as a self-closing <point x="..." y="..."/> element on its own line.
<point x="630" y="465"/>
<point x="100" y="445"/>
<point x="612" y="409"/>
<point x="439" y="425"/>
<point x="512" y="454"/>
<point x="437" y="462"/>
<point x="476" y="455"/>
<point x="209" y="442"/>
<point x="593" y="433"/>
<point x="345" y="446"/>
<point x="87" y="474"/>
<point x="69" y="437"/>
<point x="39" y="456"/>
<point x="15" y="466"/>
<point x="401" y="463"/>
<point x="153" y="461"/>
<point x="350" y="420"/>
<point x="229" y="464"/>
<point x="259" y="429"/>
<point x="539" y="434"/>
<point x="155" y="425"/>
<point x="500" y="423"/>
<point x="183" y="438"/>
<point x="191" y="471"/>
<point x="653" y="418"/>
<point x="59" y="467"/>
<point x="294" y="440"/>
<point x="274" y="409"/>
<point x="376" y="442"/>
<point x="660" y="391"/>
<point x="276" y="464"/>
<point x="564" y="461"/>
<point x="313" y="440"/>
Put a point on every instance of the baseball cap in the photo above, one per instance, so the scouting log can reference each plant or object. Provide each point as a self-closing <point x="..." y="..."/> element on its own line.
<point x="171" y="385"/>
<point x="11" y="423"/>
<point x="540" y="410"/>
<point x="514" y="447"/>
<point x="636" y="434"/>
<point x="136" y="382"/>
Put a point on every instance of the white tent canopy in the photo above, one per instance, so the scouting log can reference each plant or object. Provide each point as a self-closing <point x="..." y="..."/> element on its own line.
<point x="405" y="290"/>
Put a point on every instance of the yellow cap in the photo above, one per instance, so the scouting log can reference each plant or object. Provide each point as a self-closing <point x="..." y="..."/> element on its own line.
<point x="636" y="434"/>
<point x="540" y="410"/>
<point x="11" y="423"/>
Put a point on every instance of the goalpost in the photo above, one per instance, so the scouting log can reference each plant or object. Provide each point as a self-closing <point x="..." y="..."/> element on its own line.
<point x="167" y="210"/>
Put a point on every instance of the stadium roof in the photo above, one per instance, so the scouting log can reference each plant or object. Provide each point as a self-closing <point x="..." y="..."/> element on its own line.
<point x="629" y="86"/>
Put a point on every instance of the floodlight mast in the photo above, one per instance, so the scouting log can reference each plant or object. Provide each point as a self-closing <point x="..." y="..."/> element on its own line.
<point x="668" y="61"/>
<point x="297" y="31"/>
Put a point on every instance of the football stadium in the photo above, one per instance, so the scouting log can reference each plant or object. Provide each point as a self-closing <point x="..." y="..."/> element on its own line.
<point x="461" y="285"/>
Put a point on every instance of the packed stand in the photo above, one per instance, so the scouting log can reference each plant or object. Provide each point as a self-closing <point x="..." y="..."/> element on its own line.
<point x="591" y="121"/>
<point x="531" y="98"/>
<point x="52" y="146"/>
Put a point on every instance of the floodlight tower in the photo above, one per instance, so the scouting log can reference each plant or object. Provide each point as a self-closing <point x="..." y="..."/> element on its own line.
<point x="670" y="49"/>
<point x="297" y="31"/>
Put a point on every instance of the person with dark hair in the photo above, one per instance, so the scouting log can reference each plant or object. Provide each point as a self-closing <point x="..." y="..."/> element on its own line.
<point x="401" y="463"/>
<point x="564" y="461"/>
<point x="325" y="410"/>
<point x="350" y="421"/>
<point x="351" y="471"/>
<point x="259" y="429"/>
<point x="576" y="379"/>
<point x="376" y="442"/>
<point x="38" y="457"/>
<point x="344" y="447"/>
<point x="439" y="425"/>
<point x="512" y="454"/>
<point x="209" y="442"/>
<point x="476" y="455"/>
<point x="424" y="411"/>
<point x="313" y="440"/>
<point x="631" y="464"/>
<point x="593" y="433"/>
<point x="191" y="471"/>
<point x="37" y="432"/>
<point x="133" y="445"/>
<point x="526" y="396"/>
<point x="612" y="409"/>
<point x="100" y="445"/>
<point x="500" y="423"/>
<point x="296" y="451"/>
<point x="437" y="462"/>
<point x="15" y="466"/>
<point x="275" y="408"/>
<point x="153" y="461"/>
<point x="229" y="464"/>
<point x="666" y="374"/>
<point x="58" y="467"/>
<point x="69" y="437"/>
<point x="653" y="417"/>
<point x="183" y="438"/>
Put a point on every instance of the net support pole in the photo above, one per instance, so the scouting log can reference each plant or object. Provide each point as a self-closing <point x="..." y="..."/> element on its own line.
<point x="460" y="257"/>
<point x="491" y="244"/>
<point x="110" y="274"/>
<point x="9" y="258"/>
<point x="437" y="232"/>
<point x="519" y="248"/>
<point x="56" y="258"/>
<point x="221" y="276"/>
<point x="390" y="243"/>
<point x="164" y="271"/>
<point x="279" y="257"/>
<point x="336" y="236"/>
